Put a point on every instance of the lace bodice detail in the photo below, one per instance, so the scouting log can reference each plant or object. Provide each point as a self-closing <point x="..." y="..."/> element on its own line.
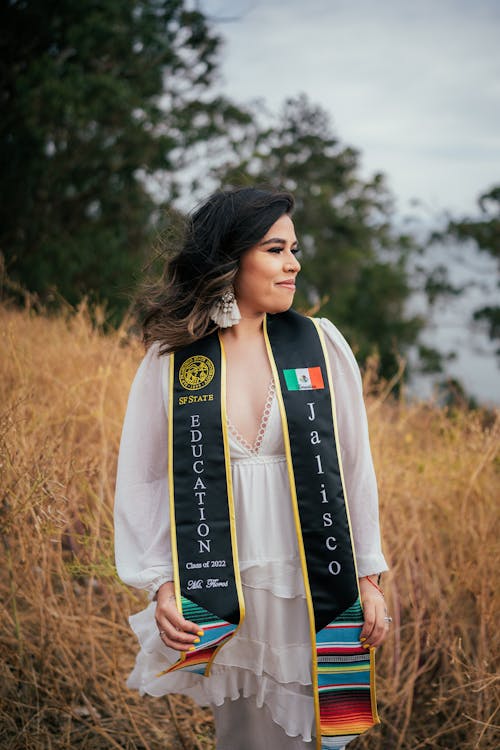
<point x="255" y="449"/>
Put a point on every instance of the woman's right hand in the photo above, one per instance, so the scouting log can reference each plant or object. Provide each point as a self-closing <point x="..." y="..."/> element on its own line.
<point x="175" y="631"/>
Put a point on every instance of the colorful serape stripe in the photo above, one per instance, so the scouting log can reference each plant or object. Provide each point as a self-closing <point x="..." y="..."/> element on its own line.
<point x="215" y="633"/>
<point x="336" y="743"/>
<point x="344" y="684"/>
<point x="304" y="379"/>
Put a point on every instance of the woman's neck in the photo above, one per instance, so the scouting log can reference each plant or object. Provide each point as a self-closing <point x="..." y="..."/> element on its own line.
<point x="247" y="328"/>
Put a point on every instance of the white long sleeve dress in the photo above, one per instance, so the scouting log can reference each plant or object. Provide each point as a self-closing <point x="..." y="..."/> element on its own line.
<point x="269" y="658"/>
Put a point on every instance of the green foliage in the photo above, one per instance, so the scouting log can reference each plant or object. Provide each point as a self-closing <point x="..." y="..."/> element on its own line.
<point x="437" y="284"/>
<point x="490" y="315"/>
<point x="97" y="98"/>
<point x="484" y="232"/>
<point x="104" y="107"/>
<point x="452" y="394"/>
<point x="354" y="264"/>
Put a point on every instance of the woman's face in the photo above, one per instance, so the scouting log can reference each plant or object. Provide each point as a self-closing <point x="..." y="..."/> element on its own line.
<point x="265" y="281"/>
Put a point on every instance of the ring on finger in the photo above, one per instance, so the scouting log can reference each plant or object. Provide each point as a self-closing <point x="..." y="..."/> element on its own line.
<point x="161" y="633"/>
<point x="388" y="619"/>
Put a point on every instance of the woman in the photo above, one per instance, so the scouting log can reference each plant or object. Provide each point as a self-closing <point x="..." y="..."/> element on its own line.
<point x="238" y="453"/>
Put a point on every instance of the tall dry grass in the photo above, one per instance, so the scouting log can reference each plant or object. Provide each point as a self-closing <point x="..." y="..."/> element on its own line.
<point x="65" y="644"/>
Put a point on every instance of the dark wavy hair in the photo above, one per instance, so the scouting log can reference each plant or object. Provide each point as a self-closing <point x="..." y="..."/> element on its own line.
<point x="218" y="232"/>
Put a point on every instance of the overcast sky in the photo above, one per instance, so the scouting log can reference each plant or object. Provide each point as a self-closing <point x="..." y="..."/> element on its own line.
<point x="414" y="85"/>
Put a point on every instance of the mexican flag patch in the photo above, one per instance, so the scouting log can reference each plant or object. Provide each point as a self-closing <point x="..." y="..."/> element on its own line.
<point x="304" y="379"/>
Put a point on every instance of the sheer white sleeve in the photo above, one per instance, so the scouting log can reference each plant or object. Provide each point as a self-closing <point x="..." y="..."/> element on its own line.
<point x="142" y="524"/>
<point x="359" y="474"/>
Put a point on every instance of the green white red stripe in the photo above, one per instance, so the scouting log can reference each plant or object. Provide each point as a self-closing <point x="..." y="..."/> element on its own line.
<point x="304" y="379"/>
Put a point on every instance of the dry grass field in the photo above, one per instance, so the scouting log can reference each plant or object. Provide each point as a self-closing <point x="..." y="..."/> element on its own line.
<point x="64" y="639"/>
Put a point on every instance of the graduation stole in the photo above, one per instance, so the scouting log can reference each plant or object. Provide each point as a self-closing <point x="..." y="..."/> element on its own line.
<point x="204" y="545"/>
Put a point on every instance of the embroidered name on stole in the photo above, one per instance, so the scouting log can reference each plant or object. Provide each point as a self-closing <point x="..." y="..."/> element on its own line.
<point x="207" y="580"/>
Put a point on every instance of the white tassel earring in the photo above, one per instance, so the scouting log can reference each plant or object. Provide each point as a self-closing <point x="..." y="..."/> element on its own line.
<point x="225" y="312"/>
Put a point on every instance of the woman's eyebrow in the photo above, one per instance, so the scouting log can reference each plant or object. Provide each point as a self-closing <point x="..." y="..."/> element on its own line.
<point x="273" y="241"/>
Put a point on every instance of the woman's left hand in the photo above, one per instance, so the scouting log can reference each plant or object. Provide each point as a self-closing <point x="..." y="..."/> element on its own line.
<point x="376" y="625"/>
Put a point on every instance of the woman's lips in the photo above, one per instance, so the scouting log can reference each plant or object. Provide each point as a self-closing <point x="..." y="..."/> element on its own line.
<point x="287" y="284"/>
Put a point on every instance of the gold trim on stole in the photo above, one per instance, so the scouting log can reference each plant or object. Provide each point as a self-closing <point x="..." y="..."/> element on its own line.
<point x="170" y="470"/>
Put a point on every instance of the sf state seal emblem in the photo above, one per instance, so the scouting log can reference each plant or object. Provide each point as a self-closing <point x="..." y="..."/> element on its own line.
<point x="196" y="372"/>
